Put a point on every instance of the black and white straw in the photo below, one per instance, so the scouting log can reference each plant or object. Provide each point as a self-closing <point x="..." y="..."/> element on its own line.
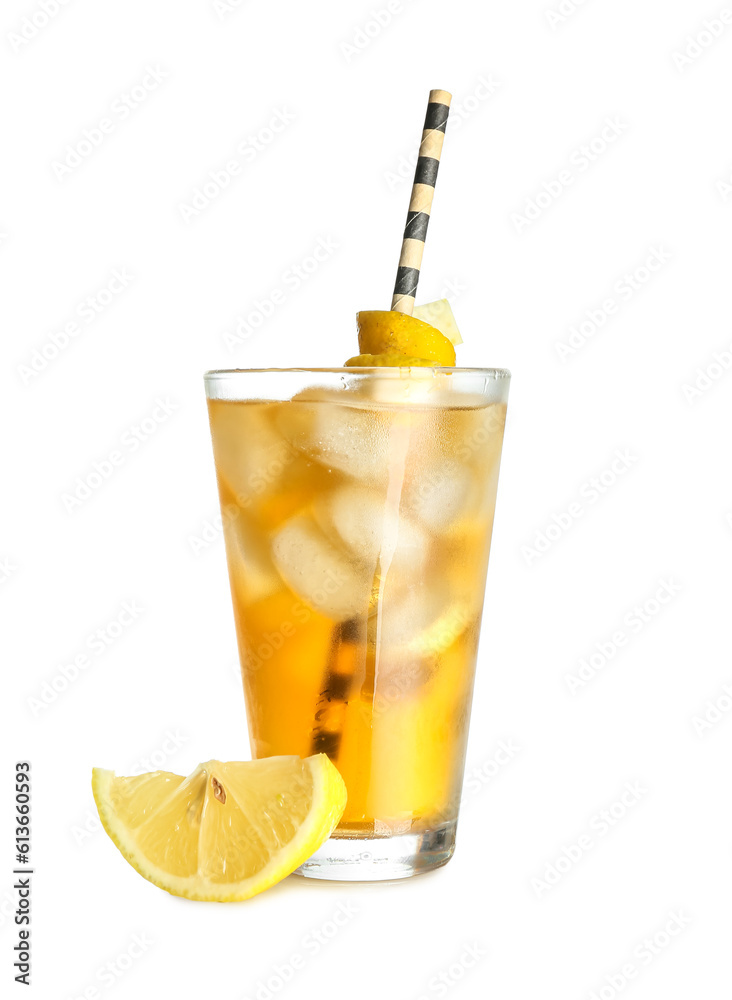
<point x="420" y="204"/>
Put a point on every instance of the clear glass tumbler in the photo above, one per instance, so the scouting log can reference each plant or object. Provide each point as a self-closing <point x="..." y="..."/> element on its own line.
<point x="358" y="506"/>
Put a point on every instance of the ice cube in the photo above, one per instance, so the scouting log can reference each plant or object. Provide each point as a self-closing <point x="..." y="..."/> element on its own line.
<point x="251" y="456"/>
<point x="251" y="568"/>
<point x="371" y="529"/>
<point x="409" y="633"/>
<point x="420" y="622"/>
<point x="439" y="493"/>
<point x="446" y="629"/>
<point x="403" y="615"/>
<point x="339" y="436"/>
<point x="319" y="572"/>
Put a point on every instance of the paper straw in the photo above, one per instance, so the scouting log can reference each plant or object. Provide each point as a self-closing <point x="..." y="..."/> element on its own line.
<point x="420" y="204"/>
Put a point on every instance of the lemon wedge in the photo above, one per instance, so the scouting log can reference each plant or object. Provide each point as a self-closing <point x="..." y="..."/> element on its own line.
<point x="387" y="361"/>
<point x="401" y="340"/>
<point x="440" y="315"/>
<point x="228" y="830"/>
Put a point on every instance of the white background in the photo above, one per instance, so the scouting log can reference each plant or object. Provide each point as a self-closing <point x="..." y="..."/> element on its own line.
<point x="528" y="95"/>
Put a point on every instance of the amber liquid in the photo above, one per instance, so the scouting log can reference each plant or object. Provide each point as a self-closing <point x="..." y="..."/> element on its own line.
<point x="357" y="539"/>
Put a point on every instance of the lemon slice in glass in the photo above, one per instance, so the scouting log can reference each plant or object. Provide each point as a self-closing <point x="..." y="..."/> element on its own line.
<point x="228" y="830"/>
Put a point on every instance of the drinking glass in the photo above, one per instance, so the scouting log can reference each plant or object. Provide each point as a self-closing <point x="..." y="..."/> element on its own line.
<point x="357" y="506"/>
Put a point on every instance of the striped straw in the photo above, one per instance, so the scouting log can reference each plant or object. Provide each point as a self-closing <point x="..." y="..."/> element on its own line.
<point x="423" y="189"/>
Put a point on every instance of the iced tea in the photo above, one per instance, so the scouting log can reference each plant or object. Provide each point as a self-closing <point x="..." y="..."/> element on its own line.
<point x="358" y="526"/>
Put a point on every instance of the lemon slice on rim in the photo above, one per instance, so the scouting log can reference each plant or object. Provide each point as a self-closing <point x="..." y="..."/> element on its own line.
<point x="401" y="340"/>
<point x="387" y="361"/>
<point x="228" y="830"/>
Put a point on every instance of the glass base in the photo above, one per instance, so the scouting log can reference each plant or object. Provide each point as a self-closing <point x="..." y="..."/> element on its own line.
<point x="375" y="859"/>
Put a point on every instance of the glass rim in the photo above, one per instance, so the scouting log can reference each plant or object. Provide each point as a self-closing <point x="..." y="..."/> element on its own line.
<point x="388" y="371"/>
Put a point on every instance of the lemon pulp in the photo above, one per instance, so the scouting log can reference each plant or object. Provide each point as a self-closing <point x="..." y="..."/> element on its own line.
<point x="228" y="830"/>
